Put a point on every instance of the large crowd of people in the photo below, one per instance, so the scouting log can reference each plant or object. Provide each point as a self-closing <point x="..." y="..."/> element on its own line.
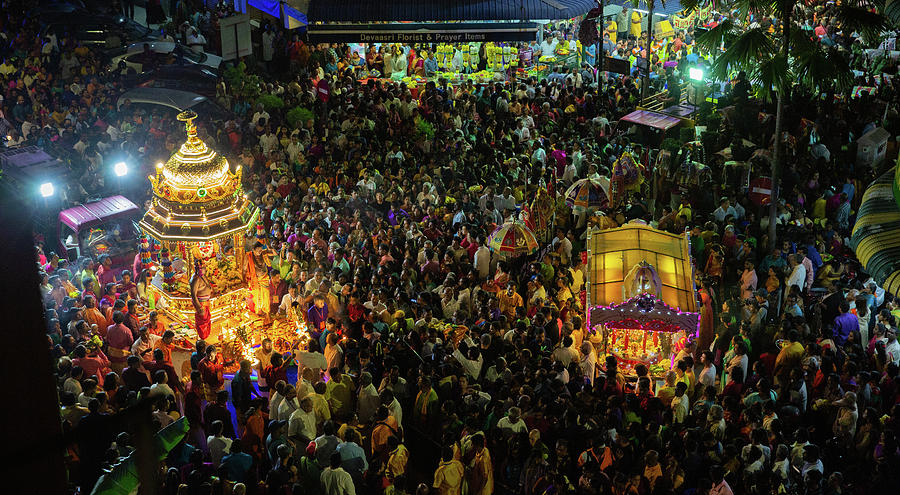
<point x="449" y="369"/>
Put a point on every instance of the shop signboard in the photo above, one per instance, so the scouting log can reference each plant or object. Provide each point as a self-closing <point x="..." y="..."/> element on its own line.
<point x="411" y="33"/>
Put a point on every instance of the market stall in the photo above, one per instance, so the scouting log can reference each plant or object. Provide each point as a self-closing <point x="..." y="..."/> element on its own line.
<point x="641" y="306"/>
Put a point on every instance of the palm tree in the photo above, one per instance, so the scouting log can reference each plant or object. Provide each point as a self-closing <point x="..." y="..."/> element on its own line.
<point x="779" y="62"/>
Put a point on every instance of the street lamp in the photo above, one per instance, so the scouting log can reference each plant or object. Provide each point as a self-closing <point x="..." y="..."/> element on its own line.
<point x="121" y="169"/>
<point x="46" y="189"/>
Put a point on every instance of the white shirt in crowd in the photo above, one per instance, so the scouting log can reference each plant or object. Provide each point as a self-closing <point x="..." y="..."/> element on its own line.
<point x="707" y="377"/>
<point x="218" y="447"/>
<point x="337" y="482"/>
<point x="514" y="427"/>
<point x="303" y="424"/>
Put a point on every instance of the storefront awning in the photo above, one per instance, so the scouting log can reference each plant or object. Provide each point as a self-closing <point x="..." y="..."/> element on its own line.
<point x="445" y="10"/>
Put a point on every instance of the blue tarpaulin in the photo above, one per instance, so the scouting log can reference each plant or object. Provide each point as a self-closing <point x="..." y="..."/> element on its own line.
<point x="293" y="18"/>
<point x="271" y="7"/>
<point x="445" y="10"/>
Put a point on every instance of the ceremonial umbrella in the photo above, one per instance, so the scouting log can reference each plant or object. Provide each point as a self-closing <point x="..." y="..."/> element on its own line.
<point x="512" y="238"/>
<point x="590" y="193"/>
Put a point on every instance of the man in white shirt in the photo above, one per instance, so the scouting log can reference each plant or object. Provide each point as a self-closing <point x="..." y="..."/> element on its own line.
<point x="268" y="141"/>
<point x="538" y="155"/>
<point x="739" y="210"/>
<point x="369" y="400"/>
<point x="707" y="376"/>
<point x="295" y="147"/>
<point x="538" y="292"/>
<point x="335" y="480"/>
<point x="563" y="245"/>
<point x="287" y="306"/>
<point x="395" y="154"/>
<point x="302" y="422"/>
<point x="486" y="201"/>
<point x="588" y="361"/>
<point x="482" y="260"/>
<point x="512" y="424"/>
<point x="811" y="461"/>
<point x="393" y="406"/>
<point x="471" y="364"/>
<point x="275" y="399"/>
<point x="260" y="114"/>
<point x="568" y="176"/>
<point x="680" y="403"/>
<point x="196" y="41"/>
<point x="797" y="276"/>
<point x="892" y="348"/>
<point x="268" y="45"/>
<point x="114" y="133"/>
<point x="548" y="46"/>
<point x="143" y="346"/>
<point x="523" y="132"/>
<point x="287" y="406"/>
<point x="564" y="352"/>
<point x="263" y="357"/>
<point x="724" y="210"/>
<point x="218" y="444"/>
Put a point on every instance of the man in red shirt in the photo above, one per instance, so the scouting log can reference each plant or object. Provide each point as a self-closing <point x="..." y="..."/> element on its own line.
<point x="104" y="271"/>
<point x="158" y="364"/>
<point x="97" y="365"/>
<point x="211" y="370"/>
<point x="470" y="245"/>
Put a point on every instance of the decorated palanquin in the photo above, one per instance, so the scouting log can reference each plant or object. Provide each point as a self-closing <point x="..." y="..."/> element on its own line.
<point x="627" y="175"/>
<point x="199" y="217"/>
<point x="644" y="330"/>
<point x="642" y="305"/>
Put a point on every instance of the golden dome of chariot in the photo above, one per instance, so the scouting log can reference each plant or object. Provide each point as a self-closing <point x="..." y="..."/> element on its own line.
<point x="196" y="195"/>
<point x="194" y="173"/>
<point x="194" y="164"/>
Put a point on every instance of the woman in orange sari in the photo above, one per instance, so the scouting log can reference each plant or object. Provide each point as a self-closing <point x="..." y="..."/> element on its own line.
<point x="253" y="438"/>
<point x="501" y="279"/>
<point x="715" y="263"/>
<point x="257" y="269"/>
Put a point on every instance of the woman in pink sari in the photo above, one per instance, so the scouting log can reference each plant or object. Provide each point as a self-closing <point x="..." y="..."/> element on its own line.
<point x="413" y="61"/>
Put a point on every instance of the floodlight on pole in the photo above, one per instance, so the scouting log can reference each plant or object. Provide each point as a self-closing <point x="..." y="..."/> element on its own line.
<point x="121" y="169"/>
<point x="695" y="74"/>
<point x="47" y="189"/>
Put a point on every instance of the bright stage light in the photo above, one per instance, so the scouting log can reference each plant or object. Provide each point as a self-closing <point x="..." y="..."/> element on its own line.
<point x="47" y="189"/>
<point x="121" y="169"/>
<point x="695" y="73"/>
